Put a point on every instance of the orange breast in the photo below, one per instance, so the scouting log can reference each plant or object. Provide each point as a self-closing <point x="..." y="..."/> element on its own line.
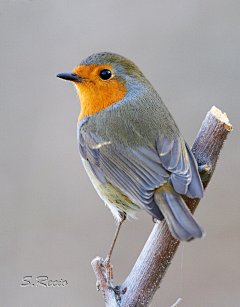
<point x="96" y="94"/>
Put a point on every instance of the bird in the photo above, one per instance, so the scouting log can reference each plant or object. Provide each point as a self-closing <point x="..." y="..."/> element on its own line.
<point x="131" y="147"/>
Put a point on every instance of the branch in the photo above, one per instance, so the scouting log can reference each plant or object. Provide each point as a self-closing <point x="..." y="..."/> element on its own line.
<point x="145" y="278"/>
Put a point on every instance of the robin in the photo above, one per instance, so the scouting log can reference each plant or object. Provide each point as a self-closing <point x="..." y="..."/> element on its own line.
<point x="131" y="147"/>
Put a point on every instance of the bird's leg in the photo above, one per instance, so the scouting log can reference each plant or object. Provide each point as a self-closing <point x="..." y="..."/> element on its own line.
<point x="115" y="239"/>
<point x="107" y="260"/>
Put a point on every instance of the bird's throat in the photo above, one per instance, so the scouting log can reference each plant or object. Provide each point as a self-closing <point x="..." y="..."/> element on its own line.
<point x="93" y="100"/>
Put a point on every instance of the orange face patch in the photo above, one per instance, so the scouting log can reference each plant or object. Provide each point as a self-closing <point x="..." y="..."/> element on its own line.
<point x="96" y="94"/>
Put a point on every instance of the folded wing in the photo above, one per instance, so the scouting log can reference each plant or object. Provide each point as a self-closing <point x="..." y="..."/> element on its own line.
<point x="138" y="172"/>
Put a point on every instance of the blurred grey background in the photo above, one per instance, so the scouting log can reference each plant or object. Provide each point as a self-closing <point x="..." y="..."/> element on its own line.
<point x="52" y="221"/>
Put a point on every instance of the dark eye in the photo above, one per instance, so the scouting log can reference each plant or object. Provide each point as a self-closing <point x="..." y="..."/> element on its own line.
<point x="105" y="74"/>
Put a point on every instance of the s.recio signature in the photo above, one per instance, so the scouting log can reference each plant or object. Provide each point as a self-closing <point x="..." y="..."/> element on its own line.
<point x="43" y="281"/>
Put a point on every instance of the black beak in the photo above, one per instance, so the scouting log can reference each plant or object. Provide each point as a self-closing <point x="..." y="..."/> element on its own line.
<point x="70" y="77"/>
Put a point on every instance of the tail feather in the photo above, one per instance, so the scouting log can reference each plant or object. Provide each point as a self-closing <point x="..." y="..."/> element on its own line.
<point x="180" y="221"/>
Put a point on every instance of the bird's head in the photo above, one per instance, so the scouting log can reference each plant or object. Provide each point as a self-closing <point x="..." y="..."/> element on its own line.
<point x="103" y="79"/>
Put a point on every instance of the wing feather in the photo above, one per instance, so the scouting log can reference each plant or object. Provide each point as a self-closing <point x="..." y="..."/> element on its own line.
<point x="138" y="172"/>
<point x="182" y="165"/>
